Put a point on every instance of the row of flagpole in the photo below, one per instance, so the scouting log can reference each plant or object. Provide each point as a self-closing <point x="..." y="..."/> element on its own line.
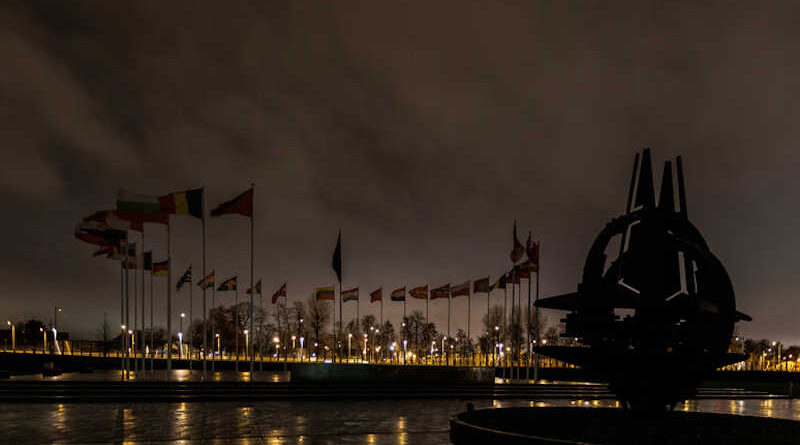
<point x="102" y="229"/>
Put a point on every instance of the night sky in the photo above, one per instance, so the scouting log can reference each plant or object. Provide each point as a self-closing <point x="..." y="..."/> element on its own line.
<point x="421" y="130"/>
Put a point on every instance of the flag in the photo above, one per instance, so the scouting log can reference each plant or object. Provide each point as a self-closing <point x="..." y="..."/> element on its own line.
<point x="337" y="257"/>
<point x="185" y="278"/>
<point x="133" y="262"/>
<point x="441" y="292"/>
<point x="420" y="293"/>
<point x="257" y="288"/>
<point x="189" y="202"/>
<point x="532" y="250"/>
<point x="522" y="273"/>
<point x="103" y="228"/>
<point x="481" y="285"/>
<point x="399" y="294"/>
<point x="161" y="269"/>
<point x="350" y="295"/>
<point x="207" y="281"/>
<point x="460" y="289"/>
<point x="227" y="285"/>
<point x="377" y="295"/>
<point x="517" y="251"/>
<point x="500" y="283"/>
<point x="280" y="293"/>
<point x="324" y="293"/>
<point x="105" y="250"/>
<point x="148" y="261"/>
<point x="132" y="202"/>
<point x="242" y="204"/>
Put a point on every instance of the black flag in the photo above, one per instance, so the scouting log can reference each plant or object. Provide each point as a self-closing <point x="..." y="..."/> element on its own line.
<point x="337" y="257"/>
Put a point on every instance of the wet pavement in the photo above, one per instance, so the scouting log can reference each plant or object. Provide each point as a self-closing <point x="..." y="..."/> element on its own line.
<point x="286" y="422"/>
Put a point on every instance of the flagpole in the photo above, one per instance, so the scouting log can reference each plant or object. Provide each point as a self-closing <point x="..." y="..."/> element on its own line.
<point x="488" y="322"/>
<point x="127" y="314"/>
<point x="213" y="324"/>
<point x="261" y="329"/>
<point x="135" y="311"/>
<point x="191" y="317"/>
<point x="152" y="351"/>
<point x="205" y="310"/>
<point x="449" y="316"/>
<point x="513" y="327"/>
<point x="141" y="331"/>
<point x="538" y="270"/>
<point x="169" y="300"/>
<point x="528" y="321"/>
<point x="121" y="318"/>
<point x="505" y="319"/>
<point x="252" y="334"/>
<point x="236" y="328"/>
<point x="381" y="309"/>
<point x="469" y="313"/>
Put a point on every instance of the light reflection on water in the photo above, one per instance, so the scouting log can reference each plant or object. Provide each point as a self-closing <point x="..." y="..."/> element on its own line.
<point x="290" y="422"/>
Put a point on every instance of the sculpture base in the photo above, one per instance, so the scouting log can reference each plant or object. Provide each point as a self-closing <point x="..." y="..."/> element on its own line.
<point x="567" y="425"/>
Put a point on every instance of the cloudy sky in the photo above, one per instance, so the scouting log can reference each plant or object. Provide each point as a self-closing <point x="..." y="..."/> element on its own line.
<point x="422" y="130"/>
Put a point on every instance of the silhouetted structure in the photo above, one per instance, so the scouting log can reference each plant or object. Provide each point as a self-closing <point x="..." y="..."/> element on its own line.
<point x="659" y="318"/>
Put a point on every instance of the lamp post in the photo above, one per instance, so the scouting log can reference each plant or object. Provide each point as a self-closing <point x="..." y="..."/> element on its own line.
<point x="133" y="345"/>
<point x="444" y="338"/>
<point x="180" y="336"/>
<point x="349" y="340"/>
<point x="364" y="353"/>
<point x="405" y="344"/>
<point x="277" y="342"/>
<point x="13" y="336"/>
<point x="219" y="351"/>
<point x="246" y="344"/>
<point x="377" y="347"/>
<point x="56" y="310"/>
<point x="44" y="340"/>
<point x="302" y="351"/>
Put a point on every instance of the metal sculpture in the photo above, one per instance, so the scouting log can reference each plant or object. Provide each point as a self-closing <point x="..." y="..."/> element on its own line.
<point x="658" y="318"/>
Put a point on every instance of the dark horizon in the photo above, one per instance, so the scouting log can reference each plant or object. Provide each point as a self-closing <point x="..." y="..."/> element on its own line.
<point x="421" y="133"/>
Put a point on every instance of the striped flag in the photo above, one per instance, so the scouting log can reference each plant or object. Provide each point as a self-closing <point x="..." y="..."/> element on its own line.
<point x="228" y="285"/>
<point x="185" y="278"/>
<point x="207" y="281"/>
<point x="350" y="295"/>
<point x="133" y="202"/>
<point x="460" y="289"/>
<point x="420" y="292"/>
<point x="161" y="269"/>
<point x="242" y="204"/>
<point x="481" y="285"/>
<point x="279" y="293"/>
<point x="398" y="294"/>
<point x="377" y="295"/>
<point x="441" y="292"/>
<point x="189" y="202"/>
<point x="324" y="293"/>
<point x="257" y="288"/>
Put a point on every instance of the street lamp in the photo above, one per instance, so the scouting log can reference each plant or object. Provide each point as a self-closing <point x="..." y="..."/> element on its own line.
<point x="219" y="350"/>
<point x="44" y="340"/>
<point x="365" y="348"/>
<point x="13" y="336"/>
<point x="180" y="345"/>
<point x="349" y="340"/>
<point x="57" y="310"/>
<point x="246" y="343"/>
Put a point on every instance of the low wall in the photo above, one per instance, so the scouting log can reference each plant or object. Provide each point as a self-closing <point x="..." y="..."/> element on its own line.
<point x="368" y="374"/>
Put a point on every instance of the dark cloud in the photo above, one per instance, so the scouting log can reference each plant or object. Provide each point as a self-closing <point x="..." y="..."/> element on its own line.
<point x="422" y="132"/>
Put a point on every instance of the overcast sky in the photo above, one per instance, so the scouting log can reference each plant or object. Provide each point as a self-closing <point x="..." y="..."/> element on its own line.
<point x="421" y="129"/>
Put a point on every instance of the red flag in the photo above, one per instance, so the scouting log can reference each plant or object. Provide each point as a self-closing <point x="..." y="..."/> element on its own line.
<point x="242" y="204"/>
<point x="376" y="295"/>
<point x="441" y="292"/>
<point x="461" y="289"/>
<point x="280" y="293"/>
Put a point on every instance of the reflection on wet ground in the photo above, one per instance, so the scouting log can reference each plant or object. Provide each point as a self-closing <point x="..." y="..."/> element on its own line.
<point x="176" y="375"/>
<point x="287" y="422"/>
